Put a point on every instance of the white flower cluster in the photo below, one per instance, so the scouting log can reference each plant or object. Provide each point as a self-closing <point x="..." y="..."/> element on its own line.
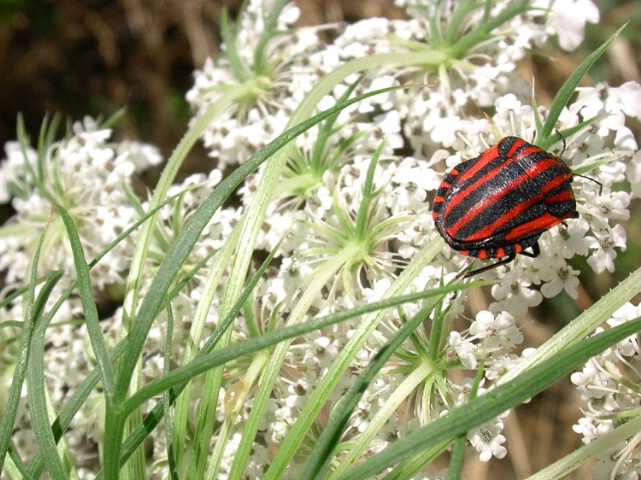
<point x="88" y="175"/>
<point x="609" y="383"/>
<point x="316" y="209"/>
<point x="357" y="188"/>
<point x="93" y="178"/>
<point x="268" y="86"/>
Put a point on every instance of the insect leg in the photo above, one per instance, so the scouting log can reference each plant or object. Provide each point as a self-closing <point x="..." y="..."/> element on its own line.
<point x="503" y="261"/>
<point x="536" y="251"/>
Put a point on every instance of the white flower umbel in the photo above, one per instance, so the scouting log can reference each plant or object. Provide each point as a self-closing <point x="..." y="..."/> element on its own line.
<point x="350" y="207"/>
<point x="609" y="383"/>
<point x="88" y="175"/>
<point x="597" y="234"/>
<point x="358" y="218"/>
<point x="262" y="75"/>
<point x="91" y="177"/>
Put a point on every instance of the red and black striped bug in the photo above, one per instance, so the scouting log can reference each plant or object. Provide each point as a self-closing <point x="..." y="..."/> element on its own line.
<point x="498" y="204"/>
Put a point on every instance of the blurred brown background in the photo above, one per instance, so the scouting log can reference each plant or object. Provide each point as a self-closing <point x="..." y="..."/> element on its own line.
<point x="96" y="57"/>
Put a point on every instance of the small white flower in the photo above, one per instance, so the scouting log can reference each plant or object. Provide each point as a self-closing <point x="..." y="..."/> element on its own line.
<point x="603" y="243"/>
<point x="560" y="277"/>
<point x="488" y="441"/>
<point x="499" y="331"/>
<point x="567" y="18"/>
<point x="627" y="98"/>
<point x="142" y="155"/>
<point x="573" y="238"/>
<point x="515" y="295"/>
<point x="464" y="349"/>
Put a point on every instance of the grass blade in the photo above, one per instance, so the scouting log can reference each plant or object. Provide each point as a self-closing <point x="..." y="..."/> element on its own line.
<point x="493" y="403"/>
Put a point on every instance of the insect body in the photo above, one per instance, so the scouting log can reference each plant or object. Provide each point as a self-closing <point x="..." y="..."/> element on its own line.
<point x="498" y="204"/>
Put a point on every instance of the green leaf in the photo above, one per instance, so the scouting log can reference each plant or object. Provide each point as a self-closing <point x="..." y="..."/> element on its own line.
<point x="486" y="407"/>
<point x="206" y="362"/>
<point x="270" y="22"/>
<point x="167" y="396"/>
<point x="36" y="389"/>
<point x="228" y="33"/>
<point x="545" y="137"/>
<point x="89" y="304"/>
<point x="33" y="311"/>
<point x="321" y="455"/>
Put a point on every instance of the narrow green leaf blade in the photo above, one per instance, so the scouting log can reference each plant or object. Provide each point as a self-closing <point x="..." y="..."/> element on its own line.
<point x="36" y="388"/>
<point x="545" y="138"/>
<point x="89" y="304"/>
<point x="496" y="401"/>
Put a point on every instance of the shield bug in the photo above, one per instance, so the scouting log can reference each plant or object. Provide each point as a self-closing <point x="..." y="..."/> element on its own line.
<point x="498" y="204"/>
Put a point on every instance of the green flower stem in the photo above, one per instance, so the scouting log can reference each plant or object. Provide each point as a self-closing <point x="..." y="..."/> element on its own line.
<point x="370" y="197"/>
<point x="581" y="326"/>
<point x="437" y="337"/>
<point x="327" y="384"/>
<point x="325" y="273"/>
<point x="193" y="342"/>
<point x="409" y="468"/>
<point x="404" y="390"/>
<point x="200" y="449"/>
<point x="228" y="33"/>
<point x="270" y="21"/>
<point x="168" y="394"/>
<point x="481" y="409"/>
<point x="223" y="435"/>
<point x="604" y="443"/>
<point x="456" y="23"/>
